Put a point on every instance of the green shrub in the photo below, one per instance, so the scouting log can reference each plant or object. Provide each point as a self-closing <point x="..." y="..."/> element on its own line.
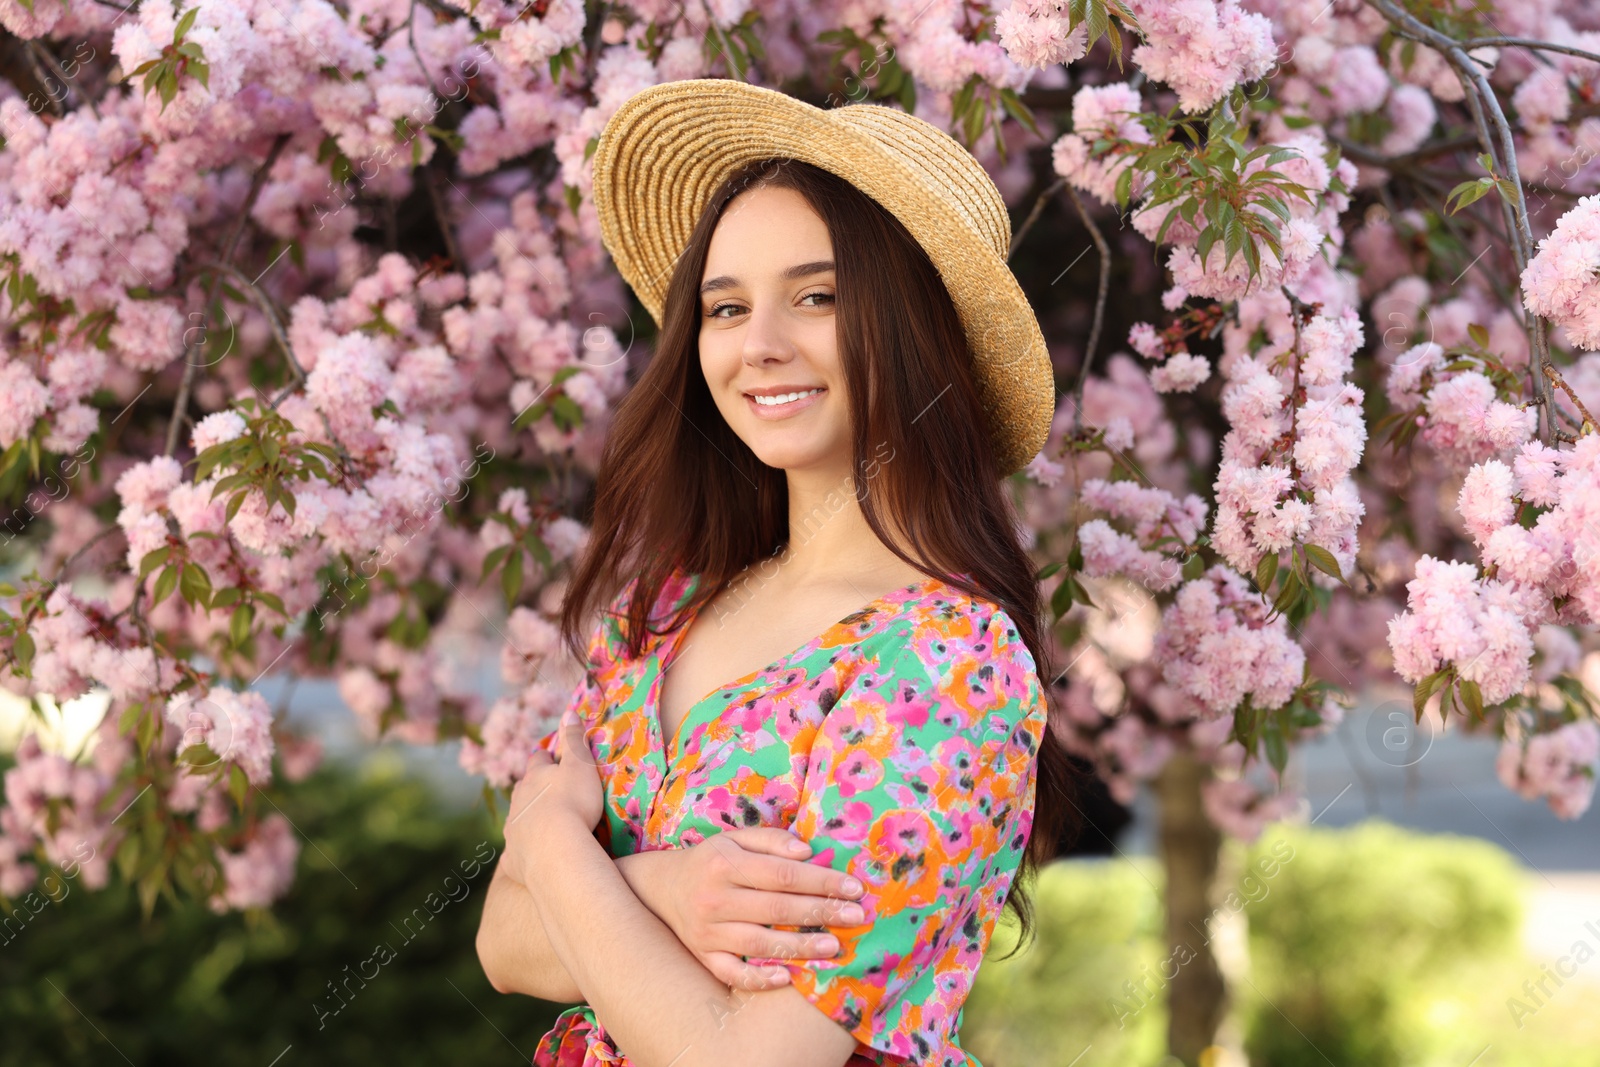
<point x="1099" y="924"/>
<point x="1364" y="933"/>
<point x="84" y="983"/>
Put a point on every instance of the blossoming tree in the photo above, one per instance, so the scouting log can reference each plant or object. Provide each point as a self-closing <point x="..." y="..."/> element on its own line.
<point x="308" y="351"/>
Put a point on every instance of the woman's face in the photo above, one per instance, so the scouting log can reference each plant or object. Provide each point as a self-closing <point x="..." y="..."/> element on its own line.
<point x="767" y="331"/>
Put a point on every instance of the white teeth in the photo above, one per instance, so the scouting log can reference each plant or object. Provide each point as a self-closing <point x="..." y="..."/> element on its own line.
<point x="782" y="398"/>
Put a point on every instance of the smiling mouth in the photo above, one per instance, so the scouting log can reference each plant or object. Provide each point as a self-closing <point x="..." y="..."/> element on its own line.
<point x="782" y="398"/>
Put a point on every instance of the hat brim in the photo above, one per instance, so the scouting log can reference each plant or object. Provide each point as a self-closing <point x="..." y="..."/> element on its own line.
<point x="670" y="146"/>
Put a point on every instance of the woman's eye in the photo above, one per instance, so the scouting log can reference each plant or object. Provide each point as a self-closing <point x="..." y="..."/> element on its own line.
<point x="715" y="309"/>
<point x="825" y="296"/>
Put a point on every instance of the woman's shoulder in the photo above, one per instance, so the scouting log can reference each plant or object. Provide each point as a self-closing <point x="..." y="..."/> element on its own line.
<point x="674" y="593"/>
<point x="948" y="614"/>
<point x="949" y="628"/>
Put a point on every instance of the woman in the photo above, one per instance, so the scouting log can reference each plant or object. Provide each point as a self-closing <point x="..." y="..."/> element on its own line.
<point x="806" y="476"/>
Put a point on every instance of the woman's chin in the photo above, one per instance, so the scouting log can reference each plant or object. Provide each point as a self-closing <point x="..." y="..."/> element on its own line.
<point x="789" y="455"/>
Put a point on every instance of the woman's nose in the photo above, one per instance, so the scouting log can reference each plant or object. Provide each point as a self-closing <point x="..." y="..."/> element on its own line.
<point x="765" y="338"/>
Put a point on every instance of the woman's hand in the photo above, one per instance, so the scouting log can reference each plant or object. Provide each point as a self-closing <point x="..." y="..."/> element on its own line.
<point x="719" y="895"/>
<point x="567" y="786"/>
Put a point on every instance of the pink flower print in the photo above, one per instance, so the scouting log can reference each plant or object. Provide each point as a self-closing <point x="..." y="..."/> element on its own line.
<point x="859" y="773"/>
<point x="850" y="826"/>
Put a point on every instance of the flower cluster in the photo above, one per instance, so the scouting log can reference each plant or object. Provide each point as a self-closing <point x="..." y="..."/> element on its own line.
<point x="1562" y="282"/>
<point x="1102" y="112"/>
<point x="1201" y="48"/>
<point x="235" y="726"/>
<point x="262" y="871"/>
<point x="1156" y="516"/>
<point x="56" y="802"/>
<point x="1217" y="646"/>
<point x="1271" y="497"/>
<point x="1558" y="766"/>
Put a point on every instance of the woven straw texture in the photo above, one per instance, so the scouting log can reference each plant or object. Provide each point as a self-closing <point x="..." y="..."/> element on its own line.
<point x="668" y="148"/>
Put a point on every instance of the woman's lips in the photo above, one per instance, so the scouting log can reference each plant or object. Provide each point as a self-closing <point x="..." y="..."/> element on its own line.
<point x="783" y="411"/>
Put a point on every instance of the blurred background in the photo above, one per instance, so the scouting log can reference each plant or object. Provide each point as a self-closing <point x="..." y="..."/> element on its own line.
<point x="1419" y="914"/>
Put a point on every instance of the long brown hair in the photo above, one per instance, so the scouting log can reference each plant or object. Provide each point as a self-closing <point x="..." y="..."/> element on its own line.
<point x="677" y="488"/>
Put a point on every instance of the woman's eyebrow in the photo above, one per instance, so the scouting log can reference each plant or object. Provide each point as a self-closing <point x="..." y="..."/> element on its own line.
<point x="801" y="270"/>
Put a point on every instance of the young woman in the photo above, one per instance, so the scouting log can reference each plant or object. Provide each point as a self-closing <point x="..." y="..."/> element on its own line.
<point x="809" y="763"/>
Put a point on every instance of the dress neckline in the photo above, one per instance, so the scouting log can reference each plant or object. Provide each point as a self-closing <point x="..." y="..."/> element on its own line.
<point x="666" y="652"/>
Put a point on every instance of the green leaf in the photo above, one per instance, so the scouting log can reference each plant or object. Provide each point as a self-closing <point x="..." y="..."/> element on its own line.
<point x="238" y="784"/>
<point x="1266" y="571"/>
<point x="1016" y="109"/>
<point x="1289" y="593"/>
<point x="1472" y="697"/>
<point x="1194" y="566"/>
<point x="1061" y="599"/>
<point x="540" y="552"/>
<point x="1277" y="746"/>
<point x="239" y="625"/>
<point x="1466" y="193"/>
<point x="23" y="648"/>
<point x="197" y="755"/>
<point x="511" y="579"/>
<point x="167" y="581"/>
<point x="185" y="23"/>
<point x="489" y="802"/>
<point x="1324" y="561"/>
<point x="566" y="413"/>
<point x="1046" y="571"/>
<point x="153" y="559"/>
<point x="1124" y="189"/>
<point x="1426" y="688"/>
<point x="148" y="725"/>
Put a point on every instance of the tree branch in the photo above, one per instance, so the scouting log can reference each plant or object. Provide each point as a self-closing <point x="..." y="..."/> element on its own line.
<point x="66" y="82"/>
<point x="1556" y="379"/>
<point x="274" y="322"/>
<point x="1528" y="42"/>
<point x="1099" y="309"/>
<point x="411" y="36"/>
<point x="451" y="249"/>
<point x="1033" y="216"/>
<point x="1485" y="107"/>
<point x="181" y="404"/>
<point x="1408" y="160"/>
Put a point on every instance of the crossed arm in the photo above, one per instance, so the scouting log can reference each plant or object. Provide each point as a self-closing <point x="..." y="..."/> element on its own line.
<point x="575" y="927"/>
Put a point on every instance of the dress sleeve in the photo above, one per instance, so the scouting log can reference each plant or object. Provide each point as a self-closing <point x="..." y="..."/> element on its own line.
<point x="588" y="698"/>
<point x="921" y="784"/>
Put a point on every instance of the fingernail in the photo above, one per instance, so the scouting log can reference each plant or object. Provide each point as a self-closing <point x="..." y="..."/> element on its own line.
<point x="778" y="974"/>
<point x="852" y="886"/>
<point x="569" y="718"/>
<point x="852" y="913"/>
<point x="798" y="845"/>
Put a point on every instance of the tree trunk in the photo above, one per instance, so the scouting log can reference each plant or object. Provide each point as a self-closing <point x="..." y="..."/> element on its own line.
<point x="1197" y="996"/>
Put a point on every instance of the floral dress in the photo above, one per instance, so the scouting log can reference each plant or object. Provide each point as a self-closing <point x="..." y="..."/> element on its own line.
<point x="900" y="742"/>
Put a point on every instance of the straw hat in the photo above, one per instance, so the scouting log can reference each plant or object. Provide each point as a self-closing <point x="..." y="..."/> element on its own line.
<point x="670" y="146"/>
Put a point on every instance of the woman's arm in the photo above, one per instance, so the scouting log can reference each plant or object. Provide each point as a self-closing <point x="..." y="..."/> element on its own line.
<point x="513" y="947"/>
<point x="649" y="992"/>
